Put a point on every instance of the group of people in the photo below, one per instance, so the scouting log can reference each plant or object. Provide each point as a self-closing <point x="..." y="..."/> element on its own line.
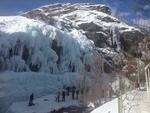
<point x="61" y="96"/>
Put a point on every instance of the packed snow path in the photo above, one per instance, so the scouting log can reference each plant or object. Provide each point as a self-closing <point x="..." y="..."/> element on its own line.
<point x="109" y="107"/>
<point x="42" y="105"/>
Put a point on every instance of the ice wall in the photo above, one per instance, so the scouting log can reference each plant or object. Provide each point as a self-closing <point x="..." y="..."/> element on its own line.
<point x="30" y="45"/>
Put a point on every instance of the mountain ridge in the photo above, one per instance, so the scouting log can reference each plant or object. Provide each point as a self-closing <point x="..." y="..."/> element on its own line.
<point x="107" y="32"/>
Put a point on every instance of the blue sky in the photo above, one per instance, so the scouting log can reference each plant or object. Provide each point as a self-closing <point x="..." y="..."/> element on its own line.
<point x="127" y="9"/>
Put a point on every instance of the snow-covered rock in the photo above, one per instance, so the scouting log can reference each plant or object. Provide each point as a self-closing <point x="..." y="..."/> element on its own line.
<point x="109" y="34"/>
<point x="93" y="20"/>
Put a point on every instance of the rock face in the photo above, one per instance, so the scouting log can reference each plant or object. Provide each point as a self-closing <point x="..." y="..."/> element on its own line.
<point x="95" y="22"/>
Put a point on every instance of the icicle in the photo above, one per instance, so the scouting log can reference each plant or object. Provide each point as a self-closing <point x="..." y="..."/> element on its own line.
<point x="115" y="37"/>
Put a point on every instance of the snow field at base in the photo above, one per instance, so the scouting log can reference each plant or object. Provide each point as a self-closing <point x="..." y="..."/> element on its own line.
<point x="131" y="103"/>
<point x="18" y="86"/>
<point x="109" y="107"/>
<point x="42" y="106"/>
<point x="18" y="34"/>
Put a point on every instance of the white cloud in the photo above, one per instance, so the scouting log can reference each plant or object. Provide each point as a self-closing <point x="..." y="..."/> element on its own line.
<point x="143" y="22"/>
<point x="122" y="14"/>
<point x="115" y="12"/>
<point x="20" y="12"/>
<point x="138" y="13"/>
<point x="146" y="7"/>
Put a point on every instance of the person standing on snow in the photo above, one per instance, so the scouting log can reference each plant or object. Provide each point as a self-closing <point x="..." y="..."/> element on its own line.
<point x="73" y="92"/>
<point x="68" y="90"/>
<point x="31" y="100"/>
<point x="77" y="94"/>
<point x="58" y="97"/>
<point x="63" y="96"/>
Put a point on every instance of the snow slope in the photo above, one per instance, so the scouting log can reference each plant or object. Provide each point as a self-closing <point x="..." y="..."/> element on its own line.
<point x="18" y="86"/>
<point x="130" y="103"/>
<point x="109" y="107"/>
